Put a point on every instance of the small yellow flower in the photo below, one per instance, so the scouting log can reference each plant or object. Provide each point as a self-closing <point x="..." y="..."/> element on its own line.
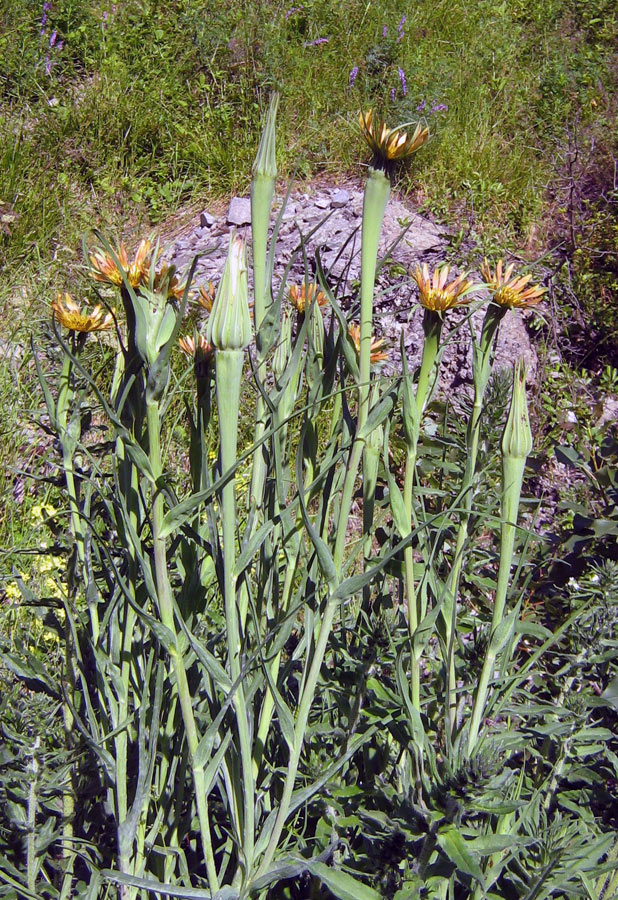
<point x="390" y="144"/>
<point x="301" y="296"/>
<point x="511" y="292"/>
<point x="71" y="316"/>
<point x="206" y="296"/>
<point x="106" y="270"/>
<point x="435" y="293"/>
<point x="378" y="352"/>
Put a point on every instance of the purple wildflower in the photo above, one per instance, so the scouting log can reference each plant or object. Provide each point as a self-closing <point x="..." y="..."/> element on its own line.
<point x="439" y="107"/>
<point x="384" y="31"/>
<point x="105" y="17"/>
<point x="317" y="42"/>
<point x="52" y="39"/>
<point x="292" y="10"/>
<point x="400" y="29"/>
<point x="402" y="78"/>
<point x="59" y="46"/>
<point x="48" y="64"/>
<point x="393" y="94"/>
<point x="421" y="106"/>
<point x="353" y="74"/>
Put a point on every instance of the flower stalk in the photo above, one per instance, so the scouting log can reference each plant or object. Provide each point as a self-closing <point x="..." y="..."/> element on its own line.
<point x="516" y="446"/>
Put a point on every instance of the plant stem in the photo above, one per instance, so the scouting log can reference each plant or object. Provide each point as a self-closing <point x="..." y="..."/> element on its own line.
<point x="166" y="612"/>
<point x="229" y="365"/>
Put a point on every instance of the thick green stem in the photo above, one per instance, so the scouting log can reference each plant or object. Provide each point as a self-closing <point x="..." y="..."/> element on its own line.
<point x="229" y="365"/>
<point x="166" y="612"/>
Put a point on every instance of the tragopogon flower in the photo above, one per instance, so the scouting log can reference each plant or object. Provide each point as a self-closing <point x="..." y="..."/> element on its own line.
<point x="510" y="291"/>
<point x="378" y="351"/>
<point x="105" y="268"/>
<point x="301" y="296"/>
<point x="71" y="316"/>
<point x="389" y="144"/>
<point x="199" y="350"/>
<point x="206" y="296"/>
<point x="435" y="293"/>
<point x="175" y="289"/>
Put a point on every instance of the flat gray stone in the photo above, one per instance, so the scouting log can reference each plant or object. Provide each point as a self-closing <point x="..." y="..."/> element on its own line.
<point x="239" y="212"/>
<point x="207" y="220"/>
<point x="339" y="199"/>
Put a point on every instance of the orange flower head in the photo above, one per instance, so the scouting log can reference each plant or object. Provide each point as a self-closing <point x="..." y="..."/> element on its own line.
<point x="389" y="145"/>
<point x="71" y="316"/>
<point x="511" y="292"/>
<point x="105" y="268"/>
<point x="434" y="292"/>
<point x="206" y="296"/>
<point x="306" y="294"/>
<point x="378" y="352"/>
<point x="200" y="351"/>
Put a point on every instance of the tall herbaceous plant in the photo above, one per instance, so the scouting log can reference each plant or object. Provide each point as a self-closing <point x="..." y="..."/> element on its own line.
<point x="253" y="538"/>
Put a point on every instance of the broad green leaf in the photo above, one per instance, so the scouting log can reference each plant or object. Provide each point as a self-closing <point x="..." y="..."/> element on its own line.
<point x="610" y="694"/>
<point x="454" y="846"/>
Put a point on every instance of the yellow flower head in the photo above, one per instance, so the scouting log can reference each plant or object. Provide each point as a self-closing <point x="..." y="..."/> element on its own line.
<point x="378" y="352"/>
<point x="301" y="296"/>
<point x="105" y="269"/>
<point x="206" y="296"/>
<point x="390" y="144"/>
<point x="435" y="293"/>
<point x="71" y="316"/>
<point x="510" y="292"/>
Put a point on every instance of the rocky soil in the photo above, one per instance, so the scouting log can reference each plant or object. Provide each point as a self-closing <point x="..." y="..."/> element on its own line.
<point x="328" y="217"/>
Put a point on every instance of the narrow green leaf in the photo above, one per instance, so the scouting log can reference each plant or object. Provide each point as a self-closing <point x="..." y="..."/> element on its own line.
<point x="252" y="547"/>
<point x="342" y="885"/>
<point x="172" y="890"/>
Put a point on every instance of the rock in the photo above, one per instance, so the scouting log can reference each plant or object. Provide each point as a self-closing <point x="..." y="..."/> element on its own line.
<point x="339" y="198"/>
<point x="239" y="212"/>
<point x="328" y="219"/>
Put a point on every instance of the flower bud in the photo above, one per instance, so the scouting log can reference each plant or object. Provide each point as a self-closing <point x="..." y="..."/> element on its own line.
<point x="265" y="163"/>
<point x="517" y="438"/>
<point x="284" y="347"/>
<point x="229" y="326"/>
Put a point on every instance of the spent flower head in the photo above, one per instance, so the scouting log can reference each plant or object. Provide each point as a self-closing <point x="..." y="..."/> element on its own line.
<point x="106" y="269"/>
<point x="378" y="352"/>
<point x="513" y="292"/>
<point x="71" y="316"/>
<point x="434" y="292"/>
<point x="390" y="145"/>
<point x="305" y="295"/>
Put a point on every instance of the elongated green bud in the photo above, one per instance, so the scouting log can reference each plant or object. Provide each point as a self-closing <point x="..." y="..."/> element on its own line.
<point x="265" y="162"/>
<point x="517" y="438"/>
<point x="262" y="193"/>
<point x="229" y="325"/>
